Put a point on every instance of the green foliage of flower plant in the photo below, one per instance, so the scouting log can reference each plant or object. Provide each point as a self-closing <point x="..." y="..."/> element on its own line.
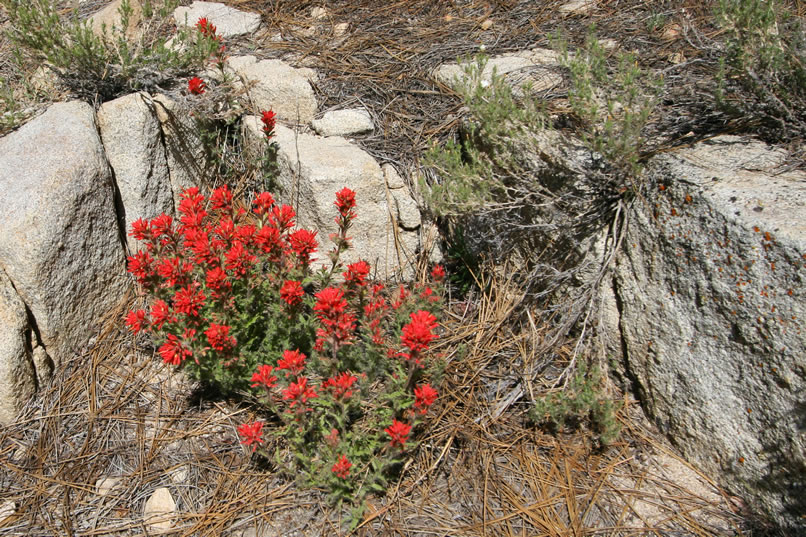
<point x="341" y="365"/>
<point x="765" y="55"/>
<point x="580" y="402"/>
<point x="103" y="67"/>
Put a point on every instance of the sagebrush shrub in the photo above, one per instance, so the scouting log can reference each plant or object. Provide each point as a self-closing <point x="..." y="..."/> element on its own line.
<point x="763" y="70"/>
<point x="106" y="66"/>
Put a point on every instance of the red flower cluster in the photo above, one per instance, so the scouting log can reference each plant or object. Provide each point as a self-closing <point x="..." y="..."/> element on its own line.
<point x="263" y="377"/>
<point x="399" y="433"/>
<point x="424" y="397"/>
<point x="251" y="434"/>
<point x="340" y="385"/>
<point x="303" y="242"/>
<point x="174" y="351"/>
<point x="269" y="120"/>
<point x="357" y="273"/>
<point x="298" y="393"/>
<point x="292" y="292"/>
<point x="345" y="203"/>
<point x="342" y="467"/>
<point x="206" y="28"/>
<point x="219" y="338"/>
<point x="417" y="335"/>
<point x="438" y="273"/>
<point x="196" y="86"/>
<point x="292" y="362"/>
<point x="136" y="321"/>
<point x="338" y="325"/>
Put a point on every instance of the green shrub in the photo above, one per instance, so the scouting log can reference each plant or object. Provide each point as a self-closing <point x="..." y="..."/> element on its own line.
<point x="763" y="75"/>
<point x="104" y="67"/>
<point x="614" y="102"/>
<point x="580" y="402"/>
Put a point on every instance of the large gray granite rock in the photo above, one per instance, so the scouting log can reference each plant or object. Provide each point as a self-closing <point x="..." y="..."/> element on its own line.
<point x="313" y="169"/>
<point x="60" y="244"/>
<point x="711" y="296"/>
<point x="17" y="376"/>
<point x="132" y="138"/>
<point x="184" y="149"/>
<point x="275" y="85"/>
<point x="229" y="22"/>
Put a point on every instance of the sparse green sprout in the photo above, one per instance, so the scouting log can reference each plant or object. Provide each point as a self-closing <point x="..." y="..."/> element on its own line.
<point x="581" y="402"/>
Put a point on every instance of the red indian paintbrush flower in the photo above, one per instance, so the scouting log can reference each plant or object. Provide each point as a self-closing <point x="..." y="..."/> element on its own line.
<point x="303" y="242"/>
<point x="292" y="292"/>
<point x="196" y="86"/>
<point x="263" y="203"/>
<point x="424" y="397"/>
<point x="251" y="434"/>
<point x="161" y="314"/>
<point x="345" y="203"/>
<point x="206" y="28"/>
<point x="438" y="273"/>
<point x="357" y="273"/>
<point x="293" y="362"/>
<point x="221" y="199"/>
<point x="141" y="266"/>
<point x="299" y="392"/>
<point x="173" y="351"/>
<point x="136" y="320"/>
<point x="340" y="385"/>
<point x="342" y="467"/>
<point x="188" y="301"/>
<point x="218" y="337"/>
<point x="330" y="304"/>
<point x="269" y="120"/>
<point x="264" y="377"/>
<point x="399" y="433"/>
<point x="418" y="333"/>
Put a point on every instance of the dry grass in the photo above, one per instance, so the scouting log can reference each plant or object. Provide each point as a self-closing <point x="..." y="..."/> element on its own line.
<point x="482" y="469"/>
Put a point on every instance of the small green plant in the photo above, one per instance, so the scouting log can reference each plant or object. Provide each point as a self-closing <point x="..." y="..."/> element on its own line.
<point x="614" y="101"/>
<point x="581" y="401"/>
<point x="103" y="67"/>
<point x="765" y="61"/>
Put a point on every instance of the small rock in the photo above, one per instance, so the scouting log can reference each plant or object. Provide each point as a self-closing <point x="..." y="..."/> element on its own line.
<point x="278" y="86"/>
<point x="393" y="179"/>
<point x="109" y="17"/>
<point x="105" y="484"/>
<point x="487" y="24"/>
<point x="578" y="7"/>
<point x="319" y="13"/>
<point x="609" y="44"/>
<point x="408" y="214"/>
<point x="341" y="29"/>
<point x="179" y="475"/>
<point x="672" y="31"/>
<point x="159" y="510"/>
<point x="676" y="58"/>
<point x="7" y="509"/>
<point x="229" y="22"/>
<point x="343" y="123"/>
